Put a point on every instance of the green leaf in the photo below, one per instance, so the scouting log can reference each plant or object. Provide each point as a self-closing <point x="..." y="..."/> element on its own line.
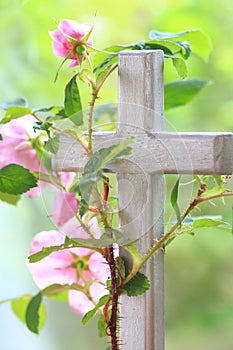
<point x="213" y="191"/>
<point x="169" y="47"/>
<point x="62" y="296"/>
<point x="200" y="43"/>
<point x="53" y="144"/>
<point x="16" y="102"/>
<point x="9" y="198"/>
<point x="103" y="73"/>
<point x="1" y="138"/>
<point x="174" y="198"/>
<point x="97" y="162"/>
<point x="120" y="264"/>
<point x="93" y="311"/>
<point x="206" y="222"/>
<point x="103" y="58"/>
<point x="32" y="313"/>
<point x="15" y="112"/>
<point x="53" y="110"/>
<point x="55" y="289"/>
<point x="19" y="307"/>
<point x="139" y="284"/>
<point x="73" y="106"/>
<point x="102" y="327"/>
<point x="136" y="260"/>
<point x="58" y="289"/>
<point x="100" y="159"/>
<point x="180" y="66"/>
<point x="179" y="93"/>
<point x="43" y="253"/>
<point x="15" y="179"/>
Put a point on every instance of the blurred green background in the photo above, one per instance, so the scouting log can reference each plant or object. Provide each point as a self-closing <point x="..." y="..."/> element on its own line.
<point x="199" y="279"/>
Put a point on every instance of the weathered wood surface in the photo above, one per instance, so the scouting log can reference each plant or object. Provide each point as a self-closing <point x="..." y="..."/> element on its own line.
<point x="141" y="197"/>
<point x="156" y="153"/>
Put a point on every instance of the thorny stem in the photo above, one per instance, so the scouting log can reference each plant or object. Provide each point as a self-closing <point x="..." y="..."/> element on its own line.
<point x="112" y="322"/>
<point x="90" y="118"/>
<point x="159" y="244"/>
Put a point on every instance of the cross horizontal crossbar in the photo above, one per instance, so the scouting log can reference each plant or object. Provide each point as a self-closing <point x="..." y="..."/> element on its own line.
<point x="156" y="153"/>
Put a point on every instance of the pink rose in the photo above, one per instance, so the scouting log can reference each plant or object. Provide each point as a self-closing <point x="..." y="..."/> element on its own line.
<point x="17" y="148"/>
<point x="65" y="207"/>
<point x="67" y="39"/>
<point x="67" y="266"/>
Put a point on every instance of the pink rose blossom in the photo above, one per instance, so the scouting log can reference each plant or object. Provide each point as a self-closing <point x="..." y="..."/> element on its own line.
<point x="16" y="147"/>
<point x="68" y="37"/>
<point x="61" y="266"/>
<point x="65" y="207"/>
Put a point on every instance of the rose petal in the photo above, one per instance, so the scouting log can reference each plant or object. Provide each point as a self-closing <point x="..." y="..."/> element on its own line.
<point x="80" y="303"/>
<point x="65" y="207"/>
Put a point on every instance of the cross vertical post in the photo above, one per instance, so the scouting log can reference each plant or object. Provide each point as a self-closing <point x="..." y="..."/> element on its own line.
<point x="141" y="197"/>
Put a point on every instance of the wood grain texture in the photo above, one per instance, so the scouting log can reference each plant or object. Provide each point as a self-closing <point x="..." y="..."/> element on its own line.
<point x="141" y="198"/>
<point x="156" y="153"/>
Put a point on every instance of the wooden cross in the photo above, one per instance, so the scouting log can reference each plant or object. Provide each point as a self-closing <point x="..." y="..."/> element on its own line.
<point x="140" y="180"/>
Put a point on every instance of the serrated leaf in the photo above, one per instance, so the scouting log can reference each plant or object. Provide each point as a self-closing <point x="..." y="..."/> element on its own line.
<point x="174" y="198"/>
<point x="32" y="313"/>
<point x="72" y="103"/>
<point x="93" y="311"/>
<point x="53" y="144"/>
<point x="15" y="179"/>
<point x="9" y="198"/>
<point x="138" y="285"/>
<point x="15" y="112"/>
<point x="19" y="307"/>
<point x="20" y="101"/>
<point x="179" y="93"/>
